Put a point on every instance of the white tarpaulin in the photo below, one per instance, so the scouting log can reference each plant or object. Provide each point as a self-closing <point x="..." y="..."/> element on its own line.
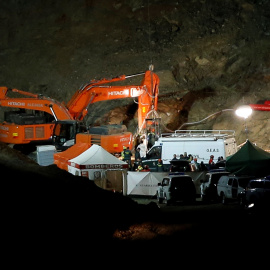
<point x="144" y="183"/>
<point x="96" y="163"/>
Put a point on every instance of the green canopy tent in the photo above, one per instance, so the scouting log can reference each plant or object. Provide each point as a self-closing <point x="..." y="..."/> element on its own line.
<point x="249" y="160"/>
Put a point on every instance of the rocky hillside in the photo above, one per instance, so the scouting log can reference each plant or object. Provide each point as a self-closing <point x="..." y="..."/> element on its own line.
<point x="210" y="55"/>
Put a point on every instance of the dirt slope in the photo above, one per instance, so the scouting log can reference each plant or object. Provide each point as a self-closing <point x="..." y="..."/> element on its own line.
<point x="210" y="55"/>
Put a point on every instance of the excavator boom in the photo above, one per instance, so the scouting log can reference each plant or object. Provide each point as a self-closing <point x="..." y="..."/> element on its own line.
<point x="95" y="91"/>
<point x="34" y="102"/>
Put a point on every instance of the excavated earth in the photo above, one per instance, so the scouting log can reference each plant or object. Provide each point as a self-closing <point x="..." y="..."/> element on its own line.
<point x="210" y="55"/>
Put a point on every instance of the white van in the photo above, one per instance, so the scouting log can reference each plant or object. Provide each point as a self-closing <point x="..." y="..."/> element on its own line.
<point x="199" y="143"/>
<point x="208" y="186"/>
<point x="230" y="187"/>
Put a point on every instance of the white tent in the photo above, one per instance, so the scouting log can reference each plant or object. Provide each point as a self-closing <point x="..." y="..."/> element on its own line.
<point x="97" y="164"/>
<point x="144" y="183"/>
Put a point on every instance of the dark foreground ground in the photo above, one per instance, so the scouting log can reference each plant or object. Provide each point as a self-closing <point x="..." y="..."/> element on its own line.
<point x="51" y="218"/>
<point x="200" y="236"/>
<point x="113" y="229"/>
<point x="202" y="224"/>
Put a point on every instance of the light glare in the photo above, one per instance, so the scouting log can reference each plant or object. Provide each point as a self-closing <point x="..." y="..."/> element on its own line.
<point x="244" y="111"/>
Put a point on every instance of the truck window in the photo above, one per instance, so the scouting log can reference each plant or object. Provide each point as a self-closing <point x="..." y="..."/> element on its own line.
<point x="215" y="178"/>
<point x="181" y="182"/>
<point x="207" y="177"/>
<point x="154" y="153"/>
<point x="256" y="184"/>
<point x="165" y="182"/>
<point x="244" y="181"/>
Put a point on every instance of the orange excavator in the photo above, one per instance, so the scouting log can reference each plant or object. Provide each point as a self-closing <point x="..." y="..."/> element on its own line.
<point x="28" y="118"/>
<point x="38" y="119"/>
<point x="110" y="137"/>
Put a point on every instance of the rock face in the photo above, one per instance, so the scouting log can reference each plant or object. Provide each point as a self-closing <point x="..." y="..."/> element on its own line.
<point x="211" y="56"/>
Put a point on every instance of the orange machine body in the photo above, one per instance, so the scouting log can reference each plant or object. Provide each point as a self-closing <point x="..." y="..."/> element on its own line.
<point x="22" y="127"/>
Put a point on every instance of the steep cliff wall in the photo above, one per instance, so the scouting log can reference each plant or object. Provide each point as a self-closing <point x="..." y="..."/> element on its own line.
<point x="210" y="55"/>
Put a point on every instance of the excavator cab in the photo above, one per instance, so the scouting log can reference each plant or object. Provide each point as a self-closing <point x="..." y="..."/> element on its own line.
<point x="112" y="138"/>
<point x="64" y="133"/>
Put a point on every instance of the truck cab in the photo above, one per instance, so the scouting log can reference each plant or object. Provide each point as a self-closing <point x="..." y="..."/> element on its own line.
<point x="152" y="157"/>
<point x="64" y="133"/>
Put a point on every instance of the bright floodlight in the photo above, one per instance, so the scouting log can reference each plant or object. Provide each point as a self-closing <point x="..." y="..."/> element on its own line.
<point x="244" y="111"/>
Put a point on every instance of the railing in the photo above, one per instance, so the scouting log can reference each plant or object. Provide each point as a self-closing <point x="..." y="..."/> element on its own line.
<point x="199" y="134"/>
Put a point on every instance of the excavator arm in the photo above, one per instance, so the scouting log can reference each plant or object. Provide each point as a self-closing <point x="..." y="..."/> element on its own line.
<point x="148" y="101"/>
<point x="95" y="91"/>
<point x="34" y="102"/>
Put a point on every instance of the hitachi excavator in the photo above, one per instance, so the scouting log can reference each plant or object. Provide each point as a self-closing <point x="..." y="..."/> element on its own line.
<point x="28" y="117"/>
<point x="38" y="119"/>
<point x="112" y="137"/>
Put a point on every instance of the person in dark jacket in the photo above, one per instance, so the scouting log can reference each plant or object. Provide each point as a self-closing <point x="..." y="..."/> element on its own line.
<point x="160" y="166"/>
<point x="137" y="159"/>
<point x="126" y="155"/>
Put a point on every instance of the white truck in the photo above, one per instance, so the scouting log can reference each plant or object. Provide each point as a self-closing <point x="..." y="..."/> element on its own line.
<point x="201" y="144"/>
<point x="231" y="187"/>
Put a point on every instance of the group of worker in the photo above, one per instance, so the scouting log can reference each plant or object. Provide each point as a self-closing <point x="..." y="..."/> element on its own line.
<point x="142" y="144"/>
<point x="195" y="166"/>
<point x="141" y="147"/>
<point x="137" y="165"/>
<point x="199" y="166"/>
<point x="140" y="153"/>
